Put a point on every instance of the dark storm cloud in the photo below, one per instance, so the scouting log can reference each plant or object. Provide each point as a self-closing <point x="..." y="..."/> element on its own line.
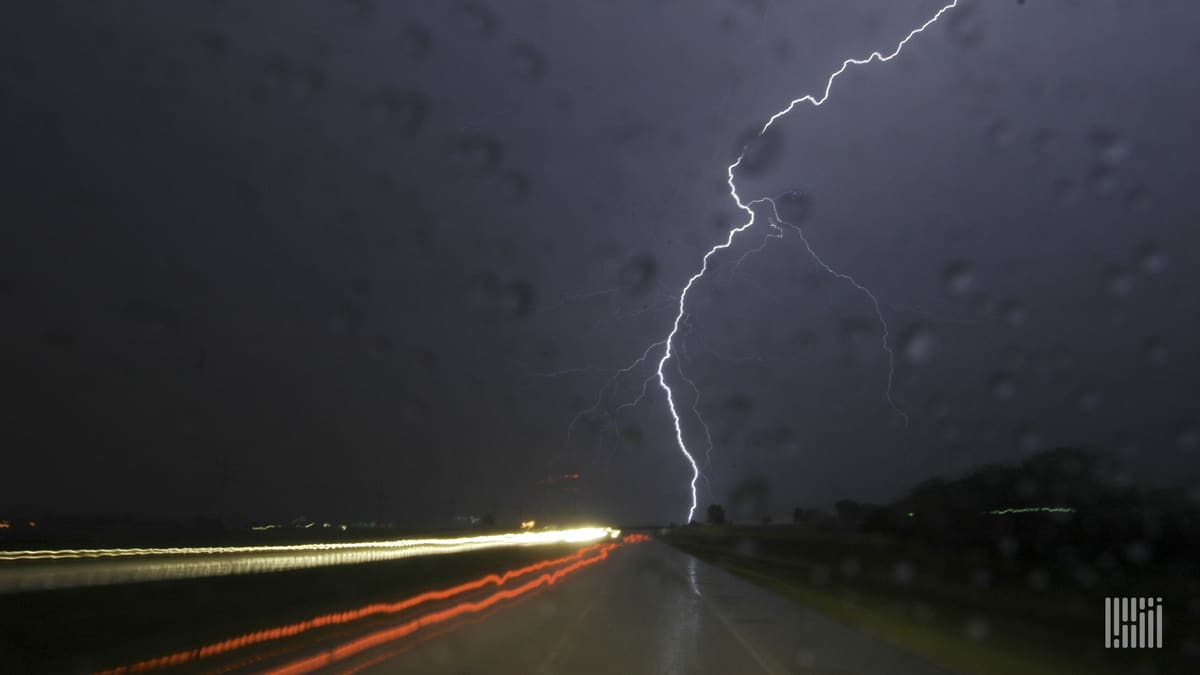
<point x="276" y="260"/>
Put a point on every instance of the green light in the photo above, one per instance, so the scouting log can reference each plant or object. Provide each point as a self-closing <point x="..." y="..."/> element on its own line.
<point x="1033" y="509"/>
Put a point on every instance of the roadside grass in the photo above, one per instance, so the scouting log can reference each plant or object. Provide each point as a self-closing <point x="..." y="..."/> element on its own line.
<point x="1003" y="628"/>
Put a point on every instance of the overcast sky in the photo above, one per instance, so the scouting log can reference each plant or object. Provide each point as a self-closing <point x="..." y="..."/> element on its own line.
<point x="359" y="259"/>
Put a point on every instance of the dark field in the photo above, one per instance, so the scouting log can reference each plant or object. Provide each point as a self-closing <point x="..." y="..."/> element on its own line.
<point x="970" y="608"/>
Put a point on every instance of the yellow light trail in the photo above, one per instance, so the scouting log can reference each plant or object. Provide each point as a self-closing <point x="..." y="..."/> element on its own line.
<point x="68" y="568"/>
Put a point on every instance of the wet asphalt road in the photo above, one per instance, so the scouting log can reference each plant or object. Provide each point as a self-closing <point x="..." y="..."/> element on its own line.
<point x="652" y="609"/>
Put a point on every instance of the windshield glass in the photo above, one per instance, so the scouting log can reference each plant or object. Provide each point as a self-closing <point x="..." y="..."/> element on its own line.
<point x="729" y="336"/>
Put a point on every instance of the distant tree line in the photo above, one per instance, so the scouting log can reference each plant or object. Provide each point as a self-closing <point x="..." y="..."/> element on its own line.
<point x="1067" y="499"/>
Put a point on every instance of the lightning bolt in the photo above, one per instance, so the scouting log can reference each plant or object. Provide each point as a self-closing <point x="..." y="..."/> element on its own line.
<point x="865" y="291"/>
<point x="748" y="208"/>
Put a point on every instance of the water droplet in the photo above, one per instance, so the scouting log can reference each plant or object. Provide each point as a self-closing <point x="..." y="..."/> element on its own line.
<point x="383" y="345"/>
<point x="632" y="434"/>
<point x="736" y="409"/>
<point x="1137" y="552"/>
<point x="1003" y="387"/>
<point x="1065" y="189"/>
<point x="1008" y="545"/>
<point x="148" y="322"/>
<point x="479" y="19"/>
<point x="1137" y="198"/>
<point x="817" y="281"/>
<point x="1089" y="401"/>
<point x="965" y="28"/>
<point x="530" y="61"/>
<point x="1114" y="149"/>
<point x="1045" y="141"/>
<point x="949" y="431"/>
<point x="1026" y="488"/>
<point x="804" y="659"/>
<point x="977" y="629"/>
<point x="415" y="41"/>
<point x="402" y="110"/>
<point x="781" y="48"/>
<point x="759" y="152"/>
<point x="851" y="567"/>
<point x="958" y="278"/>
<point x="479" y="151"/>
<point x="937" y="407"/>
<point x="216" y="44"/>
<point x="362" y="286"/>
<point x="60" y="340"/>
<point x="1001" y="134"/>
<point x="1013" y="312"/>
<point x="981" y="577"/>
<point x="804" y="339"/>
<point x="855" y="332"/>
<point x="1103" y="180"/>
<point x="516" y="183"/>
<point x="1039" y="580"/>
<point x="296" y="78"/>
<point x="422" y="236"/>
<point x="314" y="79"/>
<point x="1155" y="349"/>
<point x="347" y="315"/>
<point x="1086" y="576"/>
<point x="728" y="23"/>
<point x="1151" y="258"/>
<point x="493" y="297"/>
<point x="426" y="360"/>
<point x="547" y="609"/>
<point x="1118" y="281"/>
<point x="518" y="299"/>
<point x="919" y="346"/>
<point x="247" y="194"/>
<point x="365" y="8"/>
<point x="1029" y="440"/>
<point x="1014" y="358"/>
<point x="794" y="207"/>
<point x="1187" y="438"/>
<point x="1061" y="358"/>
<point x="639" y="274"/>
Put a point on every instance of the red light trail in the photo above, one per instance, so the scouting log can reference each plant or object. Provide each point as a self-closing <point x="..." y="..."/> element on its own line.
<point x="381" y="637"/>
<point x="582" y="558"/>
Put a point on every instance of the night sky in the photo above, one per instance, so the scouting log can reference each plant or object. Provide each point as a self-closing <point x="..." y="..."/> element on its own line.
<point x="365" y="259"/>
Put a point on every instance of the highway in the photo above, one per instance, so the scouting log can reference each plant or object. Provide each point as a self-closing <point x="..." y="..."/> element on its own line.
<point x="609" y="605"/>
<point x="650" y="609"/>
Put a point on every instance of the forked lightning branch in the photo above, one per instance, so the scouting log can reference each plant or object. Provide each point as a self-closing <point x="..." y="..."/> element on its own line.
<point x="776" y="224"/>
